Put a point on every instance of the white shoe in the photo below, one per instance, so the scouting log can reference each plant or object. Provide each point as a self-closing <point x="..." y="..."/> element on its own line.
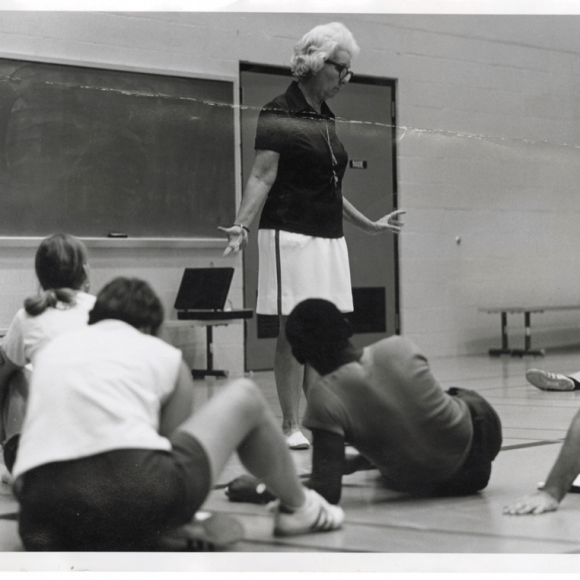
<point x="297" y="441"/>
<point x="549" y="381"/>
<point x="316" y="515"/>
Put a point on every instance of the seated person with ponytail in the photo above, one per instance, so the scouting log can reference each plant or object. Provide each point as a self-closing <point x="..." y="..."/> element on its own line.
<point x="61" y="266"/>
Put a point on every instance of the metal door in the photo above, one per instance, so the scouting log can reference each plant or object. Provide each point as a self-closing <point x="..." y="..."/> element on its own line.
<point x="365" y="124"/>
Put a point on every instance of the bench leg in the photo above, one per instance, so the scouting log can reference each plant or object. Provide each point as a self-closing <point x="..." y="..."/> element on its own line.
<point x="528" y="340"/>
<point x="504" y="339"/>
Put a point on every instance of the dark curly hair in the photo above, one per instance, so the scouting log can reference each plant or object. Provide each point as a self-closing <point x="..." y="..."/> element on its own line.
<point x="318" y="333"/>
<point x="131" y="300"/>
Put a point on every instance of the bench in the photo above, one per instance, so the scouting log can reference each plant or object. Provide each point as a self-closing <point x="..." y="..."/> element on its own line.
<point x="527" y="312"/>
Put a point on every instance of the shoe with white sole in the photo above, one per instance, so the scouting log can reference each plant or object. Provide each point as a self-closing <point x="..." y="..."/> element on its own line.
<point x="297" y="441"/>
<point x="549" y="381"/>
<point x="316" y="515"/>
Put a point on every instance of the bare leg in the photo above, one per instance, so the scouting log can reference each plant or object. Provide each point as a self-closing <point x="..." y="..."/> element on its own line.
<point x="238" y="419"/>
<point x="289" y="376"/>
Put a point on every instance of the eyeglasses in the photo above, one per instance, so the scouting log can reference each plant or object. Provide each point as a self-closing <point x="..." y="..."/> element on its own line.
<point x="343" y="73"/>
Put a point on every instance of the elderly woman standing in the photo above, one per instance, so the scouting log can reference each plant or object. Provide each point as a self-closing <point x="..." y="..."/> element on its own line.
<point x="296" y="181"/>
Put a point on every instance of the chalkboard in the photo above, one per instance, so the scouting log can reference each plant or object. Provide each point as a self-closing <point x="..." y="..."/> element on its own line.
<point x="91" y="151"/>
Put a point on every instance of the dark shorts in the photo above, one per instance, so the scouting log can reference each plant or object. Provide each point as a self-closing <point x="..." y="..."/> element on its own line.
<point x="475" y="472"/>
<point x="121" y="500"/>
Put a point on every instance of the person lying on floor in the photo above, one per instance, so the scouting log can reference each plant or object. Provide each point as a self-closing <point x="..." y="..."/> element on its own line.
<point x="111" y="456"/>
<point x="562" y="475"/>
<point x="384" y="401"/>
<point x="553" y="381"/>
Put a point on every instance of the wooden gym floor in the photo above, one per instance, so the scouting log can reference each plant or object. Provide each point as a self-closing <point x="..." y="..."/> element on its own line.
<point x="383" y="522"/>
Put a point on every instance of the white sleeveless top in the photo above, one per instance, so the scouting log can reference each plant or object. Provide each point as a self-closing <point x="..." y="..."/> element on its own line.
<point x="96" y="389"/>
<point x="28" y="334"/>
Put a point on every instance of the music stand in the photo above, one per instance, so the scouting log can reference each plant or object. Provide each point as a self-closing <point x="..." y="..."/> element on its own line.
<point x="202" y="296"/>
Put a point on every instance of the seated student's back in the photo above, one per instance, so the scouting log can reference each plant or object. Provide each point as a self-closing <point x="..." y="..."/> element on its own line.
<point x="97" y="389"/>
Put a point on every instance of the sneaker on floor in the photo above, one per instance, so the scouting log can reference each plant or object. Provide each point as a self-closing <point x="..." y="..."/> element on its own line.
<point x="316" y="515"/>
<point x="297" y="441"/>
<point x="549" y="381"/>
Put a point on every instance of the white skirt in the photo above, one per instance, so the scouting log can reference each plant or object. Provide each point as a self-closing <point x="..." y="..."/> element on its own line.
<point x="294" y="267"/>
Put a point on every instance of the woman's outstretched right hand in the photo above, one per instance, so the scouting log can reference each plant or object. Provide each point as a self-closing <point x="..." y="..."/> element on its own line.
<point x="237" y="238"/>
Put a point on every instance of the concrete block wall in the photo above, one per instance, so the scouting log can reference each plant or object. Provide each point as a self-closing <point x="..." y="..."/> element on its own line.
<point x="487" y="152"/>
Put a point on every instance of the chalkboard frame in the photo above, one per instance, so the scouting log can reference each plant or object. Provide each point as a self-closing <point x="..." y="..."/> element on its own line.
<point x="147" y="241"/>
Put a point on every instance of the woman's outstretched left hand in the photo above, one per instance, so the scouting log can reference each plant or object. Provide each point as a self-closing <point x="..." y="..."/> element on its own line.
<point x="390" y="223"/>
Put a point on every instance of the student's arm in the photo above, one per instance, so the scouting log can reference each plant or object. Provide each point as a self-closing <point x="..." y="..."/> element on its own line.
<point x="179" y="406"/>
<point x="563" y="473"/>
<point x="262" y="177"/>
<point x="327" y="464"/>
<point x="7" y="371"/>
<point x="390" y="222"/>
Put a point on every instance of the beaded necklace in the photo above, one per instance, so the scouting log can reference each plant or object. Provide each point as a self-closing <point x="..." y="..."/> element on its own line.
<point x="334" y="162"/>
<point x="334" y="178"/>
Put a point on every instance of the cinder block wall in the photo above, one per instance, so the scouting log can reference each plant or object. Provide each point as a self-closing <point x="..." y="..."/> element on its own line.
<point x="487" y="148"/>
<point x="488" y="153"/>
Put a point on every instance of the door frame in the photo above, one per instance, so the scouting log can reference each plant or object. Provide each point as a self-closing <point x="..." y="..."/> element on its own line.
<point x="246" y="66"/>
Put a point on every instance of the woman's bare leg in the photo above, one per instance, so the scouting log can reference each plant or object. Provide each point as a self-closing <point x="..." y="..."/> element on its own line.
<point x="289" y="376"/>
<point x="238" y="419"/>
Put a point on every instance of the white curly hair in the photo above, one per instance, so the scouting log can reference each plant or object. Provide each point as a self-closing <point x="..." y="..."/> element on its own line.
<point x="319" y="44"/>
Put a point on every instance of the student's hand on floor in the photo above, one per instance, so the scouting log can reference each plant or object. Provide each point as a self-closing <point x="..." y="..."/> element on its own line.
<point x="537" y="503"/>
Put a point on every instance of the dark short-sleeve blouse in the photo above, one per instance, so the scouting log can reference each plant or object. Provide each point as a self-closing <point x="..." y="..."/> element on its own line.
<point x="305" y="198"/>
